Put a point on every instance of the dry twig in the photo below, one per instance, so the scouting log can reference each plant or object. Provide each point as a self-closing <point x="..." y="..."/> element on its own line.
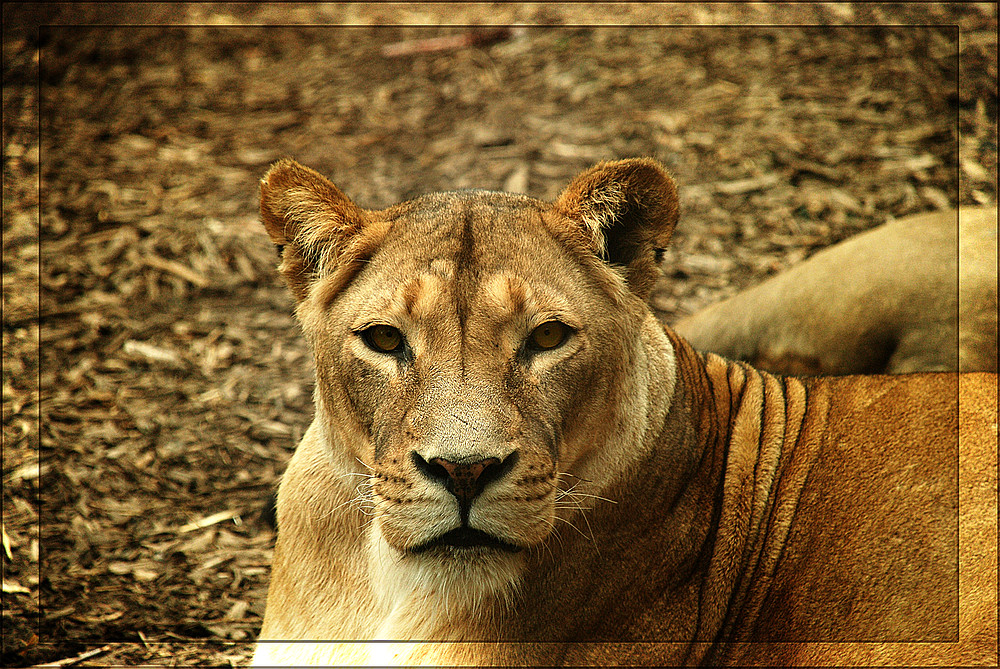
<point x="69" y="661"/>
<point x="475" y="37"/>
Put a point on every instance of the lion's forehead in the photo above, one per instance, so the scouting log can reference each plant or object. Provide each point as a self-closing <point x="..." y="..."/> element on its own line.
<point x="473" y="254"/>
<point x="470" y="231"/>
<point x="502" y="291"/>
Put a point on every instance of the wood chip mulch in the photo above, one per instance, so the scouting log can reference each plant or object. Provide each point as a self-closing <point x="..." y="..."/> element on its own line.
<point x="154" y="380"/>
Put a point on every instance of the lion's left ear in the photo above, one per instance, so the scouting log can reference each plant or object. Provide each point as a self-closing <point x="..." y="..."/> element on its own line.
<point x="627" y="209"/>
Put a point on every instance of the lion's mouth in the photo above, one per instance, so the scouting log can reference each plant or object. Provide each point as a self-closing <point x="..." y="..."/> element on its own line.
<point x="465" y="538"/>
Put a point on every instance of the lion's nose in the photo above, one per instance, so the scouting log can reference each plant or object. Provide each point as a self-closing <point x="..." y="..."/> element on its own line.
<point x="465" y="480"/>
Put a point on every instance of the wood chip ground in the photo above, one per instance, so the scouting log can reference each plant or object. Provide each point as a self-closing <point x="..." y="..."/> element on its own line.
<point x="154" y="381"/>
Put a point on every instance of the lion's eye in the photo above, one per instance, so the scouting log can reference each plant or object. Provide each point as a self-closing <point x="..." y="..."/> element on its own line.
<point x="383" y="338"/>
<point x="548" y="335"/>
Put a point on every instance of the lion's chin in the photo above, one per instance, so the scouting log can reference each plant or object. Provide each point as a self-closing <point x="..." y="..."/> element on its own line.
<point x="465" y="573"/>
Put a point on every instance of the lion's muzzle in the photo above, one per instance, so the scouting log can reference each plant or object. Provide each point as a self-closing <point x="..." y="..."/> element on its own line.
<point x="465" y="479"/>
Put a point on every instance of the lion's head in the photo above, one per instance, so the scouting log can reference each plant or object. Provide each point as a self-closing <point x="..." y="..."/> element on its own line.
<point x="479" y="356"/>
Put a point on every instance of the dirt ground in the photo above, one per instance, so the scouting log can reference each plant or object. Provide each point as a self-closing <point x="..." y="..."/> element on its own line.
<point x="154" y="381"/>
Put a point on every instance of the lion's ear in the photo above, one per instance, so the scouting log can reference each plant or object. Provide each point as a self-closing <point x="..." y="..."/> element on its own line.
<point x="627" y="210"/>
<point x="311" y="222"/>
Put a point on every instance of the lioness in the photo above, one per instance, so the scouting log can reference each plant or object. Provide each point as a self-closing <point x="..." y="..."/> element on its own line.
<point x="512" y="459"/>
<point x="917" y="294"/>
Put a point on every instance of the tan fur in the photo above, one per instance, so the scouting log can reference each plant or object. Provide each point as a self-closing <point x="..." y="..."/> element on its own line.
<point x="674" y="508"/>
<point x="917" y="294"/>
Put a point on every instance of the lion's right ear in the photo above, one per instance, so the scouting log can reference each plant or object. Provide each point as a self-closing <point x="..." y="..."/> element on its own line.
<point x="311" y="222"/>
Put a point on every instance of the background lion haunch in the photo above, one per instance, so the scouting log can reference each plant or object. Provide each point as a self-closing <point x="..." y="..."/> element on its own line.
<point x="915" y="295"/>
<point x="509" y="451"/>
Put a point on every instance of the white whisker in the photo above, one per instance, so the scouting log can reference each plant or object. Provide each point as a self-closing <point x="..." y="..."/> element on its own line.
<point x="587" y="494"/>
<point x="344" y="476"/>
<point x="582" y="534"/>
<point x="578" y="478"/>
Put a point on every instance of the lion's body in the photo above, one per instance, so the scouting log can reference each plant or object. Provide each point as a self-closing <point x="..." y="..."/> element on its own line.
<point x="917" y="294"/>
<point x="669" y="506"/>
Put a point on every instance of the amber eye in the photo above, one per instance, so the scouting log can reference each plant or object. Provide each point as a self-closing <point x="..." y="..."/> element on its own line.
<point x="383" y="338"/>
<point x="548" y="335"/>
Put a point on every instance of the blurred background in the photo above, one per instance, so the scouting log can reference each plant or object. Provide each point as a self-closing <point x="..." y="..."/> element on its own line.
<point x="154" y="381"/>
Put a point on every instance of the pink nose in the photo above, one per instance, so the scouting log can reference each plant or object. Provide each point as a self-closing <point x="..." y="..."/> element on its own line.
<point x="464" y="477"/>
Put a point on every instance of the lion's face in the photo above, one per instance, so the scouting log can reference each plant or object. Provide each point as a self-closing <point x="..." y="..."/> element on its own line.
<point x="473" y="358"/>
<point x="473" y="354"/>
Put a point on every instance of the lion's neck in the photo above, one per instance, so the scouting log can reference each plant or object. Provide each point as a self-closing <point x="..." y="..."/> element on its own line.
<point x="749" y="424"/>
